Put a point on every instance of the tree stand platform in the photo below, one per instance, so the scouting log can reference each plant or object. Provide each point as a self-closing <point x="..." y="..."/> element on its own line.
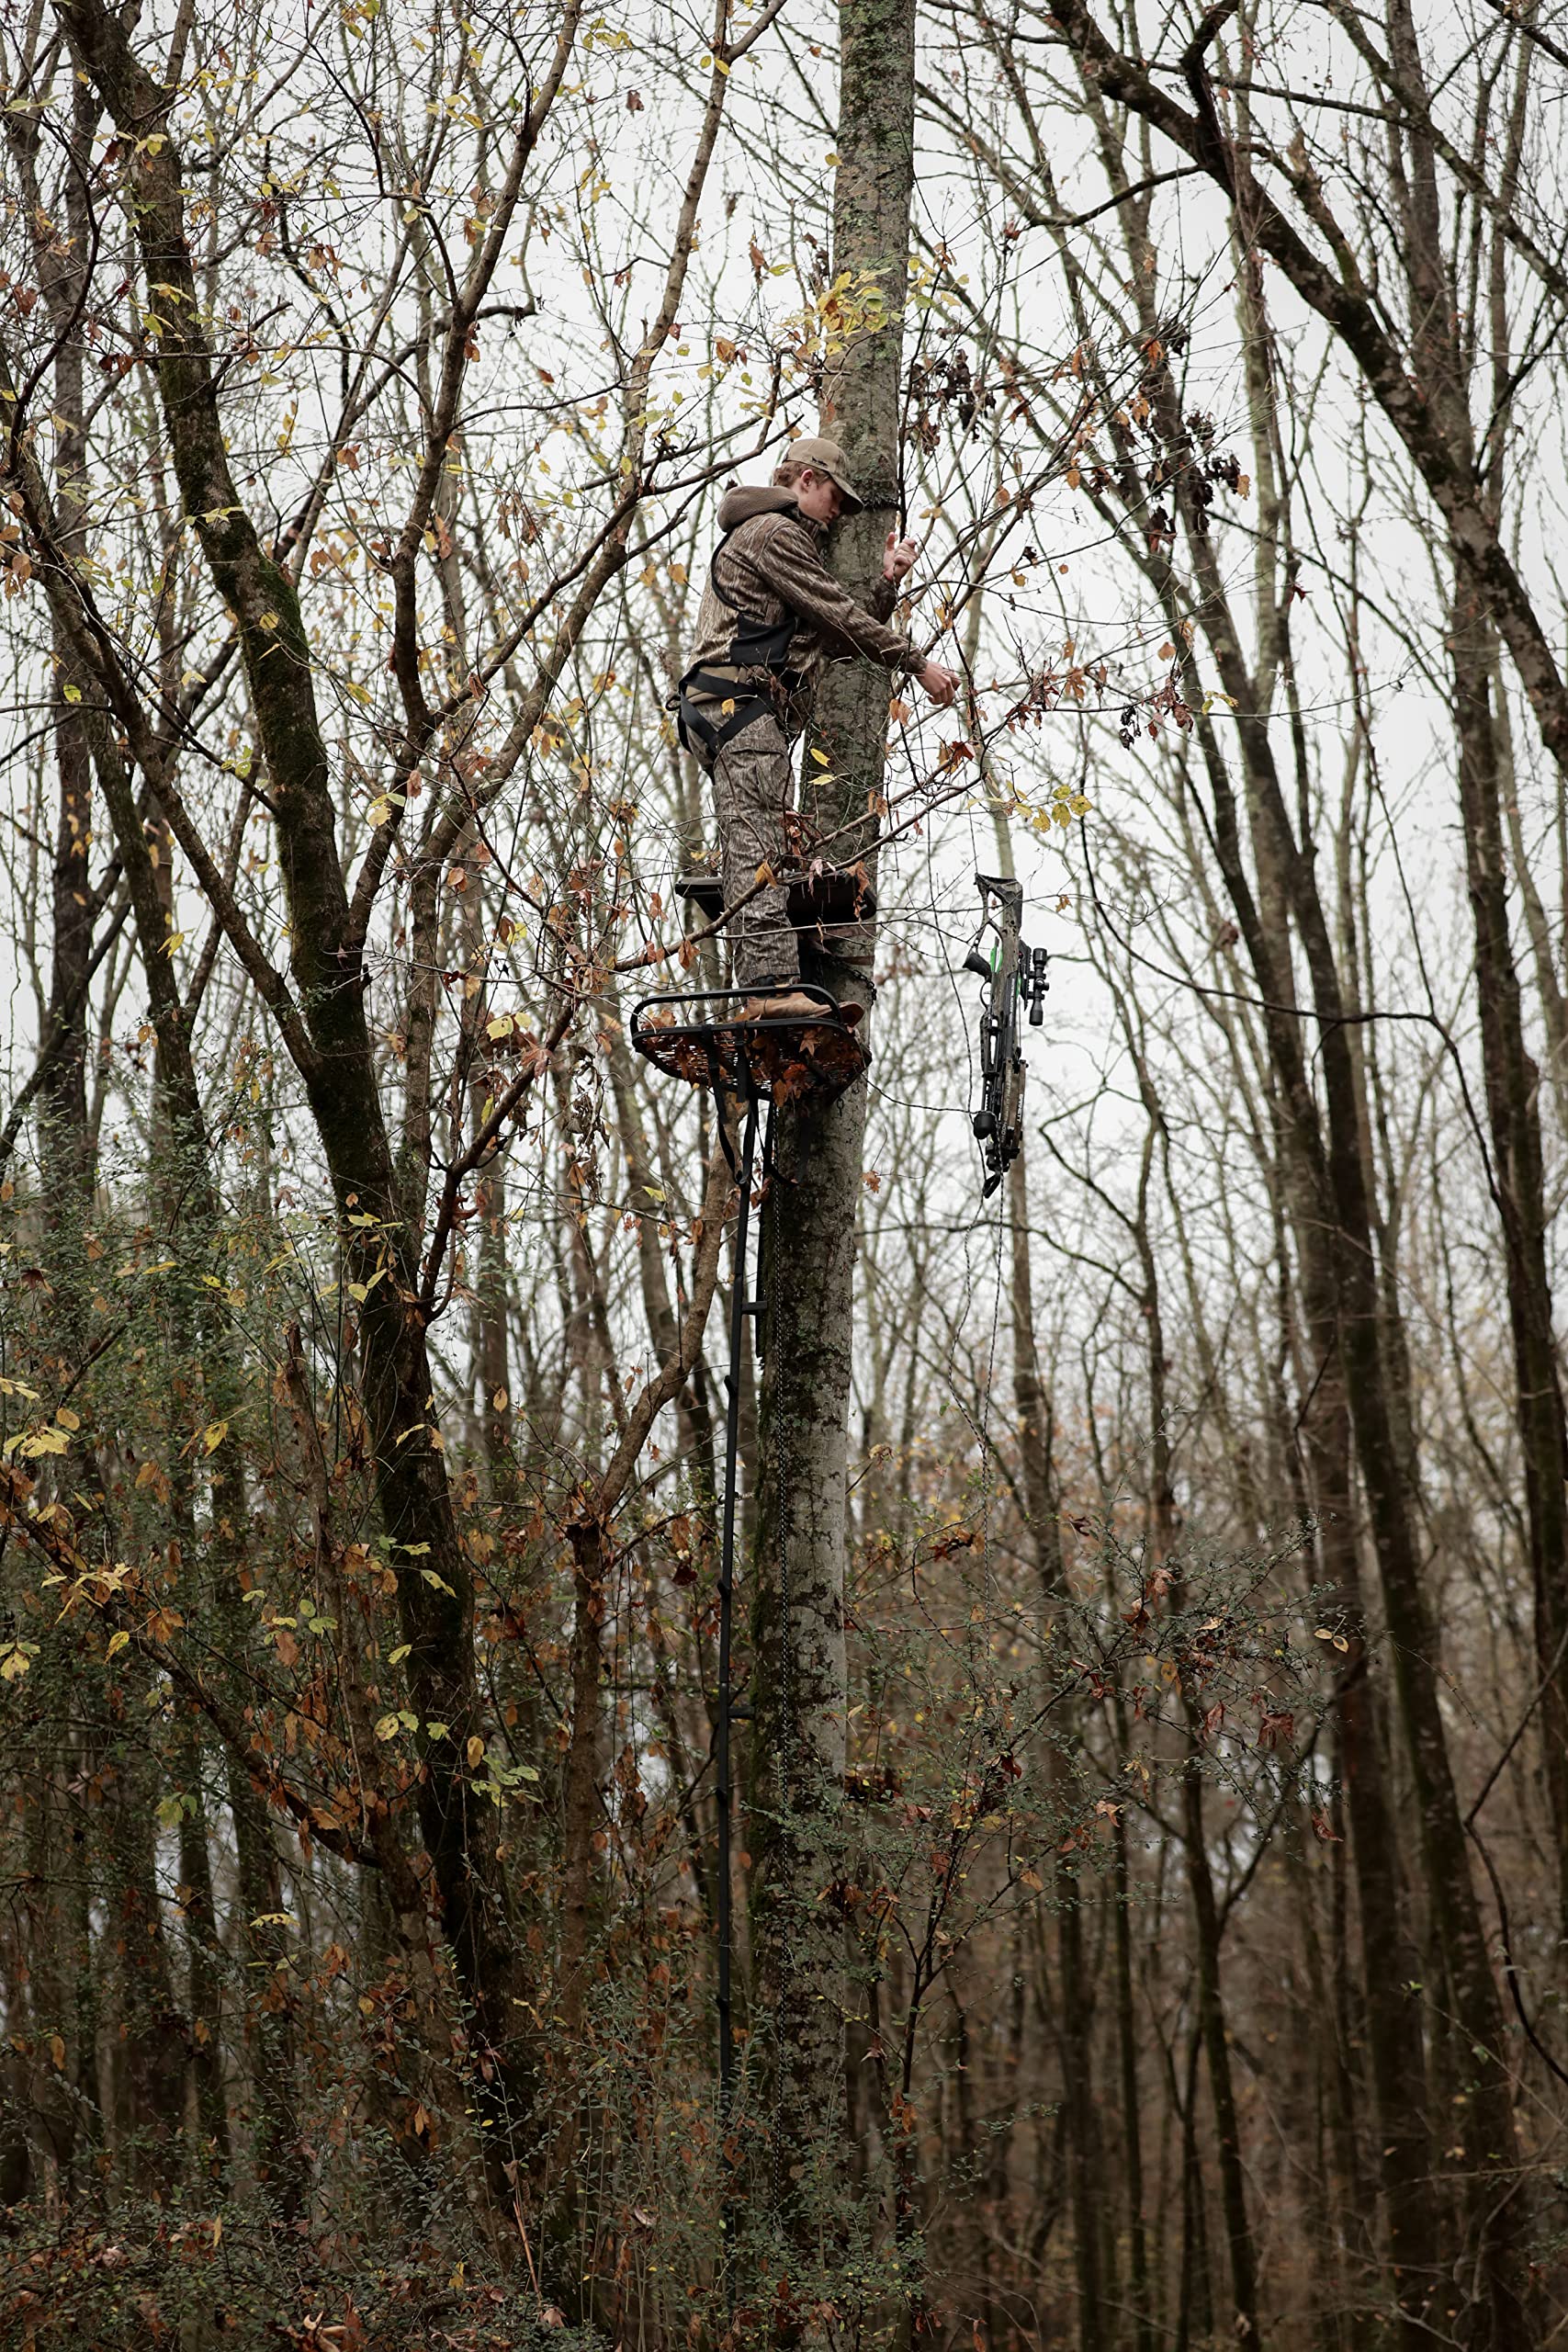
<point x="702" y="1039"/>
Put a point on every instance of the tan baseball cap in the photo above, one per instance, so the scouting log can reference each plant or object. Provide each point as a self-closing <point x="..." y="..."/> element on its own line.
<point x="827" y="458"/>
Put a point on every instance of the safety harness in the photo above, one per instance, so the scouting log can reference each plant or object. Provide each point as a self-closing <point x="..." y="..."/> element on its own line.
<point x="755" y="644"/>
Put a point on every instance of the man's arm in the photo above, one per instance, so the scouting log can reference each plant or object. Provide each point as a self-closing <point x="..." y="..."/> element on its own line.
<point x="787" y="561"/>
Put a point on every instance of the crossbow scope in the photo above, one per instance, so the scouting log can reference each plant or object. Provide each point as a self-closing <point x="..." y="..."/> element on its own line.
<point x="1014" y="976"/>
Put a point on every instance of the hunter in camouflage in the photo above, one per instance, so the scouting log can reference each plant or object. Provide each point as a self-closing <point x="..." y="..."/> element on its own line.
<point x="772" y="615"/>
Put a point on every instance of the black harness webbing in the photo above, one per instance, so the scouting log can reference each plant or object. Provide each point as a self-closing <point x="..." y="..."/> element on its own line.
<point x="756" y="644"/>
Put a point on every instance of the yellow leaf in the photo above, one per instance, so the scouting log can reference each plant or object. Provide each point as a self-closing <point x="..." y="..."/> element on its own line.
<point x="213" y="1435"/>
<point x="387" y="1728"/>
<point x="476" y="1749"/>
<point x="118" y="1642"/>
<point x="66" y="1418"/>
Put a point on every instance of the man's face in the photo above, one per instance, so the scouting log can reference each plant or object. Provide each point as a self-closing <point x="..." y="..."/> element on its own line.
<point x="818" y="498"/>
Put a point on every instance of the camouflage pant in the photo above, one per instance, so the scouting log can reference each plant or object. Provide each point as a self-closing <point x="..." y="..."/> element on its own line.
<point x="753" y="793"/>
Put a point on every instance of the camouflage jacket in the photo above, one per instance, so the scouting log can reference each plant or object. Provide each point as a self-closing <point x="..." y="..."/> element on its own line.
<point x="771" y="567"/>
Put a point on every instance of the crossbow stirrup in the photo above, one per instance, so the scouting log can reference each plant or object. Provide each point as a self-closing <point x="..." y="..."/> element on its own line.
<point x="1015" y="976"/>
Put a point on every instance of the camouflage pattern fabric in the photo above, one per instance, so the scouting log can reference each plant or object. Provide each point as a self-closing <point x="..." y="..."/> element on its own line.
<point x="753" y="790"/>
<point x="770" y="565"/>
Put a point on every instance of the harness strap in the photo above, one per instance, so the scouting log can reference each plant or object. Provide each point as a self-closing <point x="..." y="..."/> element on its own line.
<point x="755" y="644"/>
<point x="705" y="737"/>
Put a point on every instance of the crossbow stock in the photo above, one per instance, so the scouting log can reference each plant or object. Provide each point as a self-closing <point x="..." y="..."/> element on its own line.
<point x="1015" y="976"/>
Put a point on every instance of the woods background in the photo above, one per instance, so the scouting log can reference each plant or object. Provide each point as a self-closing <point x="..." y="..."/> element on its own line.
<point x="1153" y="1863"/>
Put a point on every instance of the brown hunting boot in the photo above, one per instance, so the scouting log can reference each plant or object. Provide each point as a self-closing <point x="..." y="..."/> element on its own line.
<point x="782" y="1003"/>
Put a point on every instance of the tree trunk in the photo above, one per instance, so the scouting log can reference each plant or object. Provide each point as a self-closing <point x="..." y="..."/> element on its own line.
<point x="1075" y="2024"/>
<point x="65" y="1134"/>
<point x="204" y="1956"/>
<point x="330" y="1041"/>
<point x="1131" y="2114"/>
<point x="183" y="1182"/>
<point x="1513" y="1107"/>
<point x="1372" y="1367"/>
<point x="799" y="1732"/>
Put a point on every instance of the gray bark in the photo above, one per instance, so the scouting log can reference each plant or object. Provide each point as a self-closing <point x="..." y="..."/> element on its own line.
<point x="799" y="1743"/>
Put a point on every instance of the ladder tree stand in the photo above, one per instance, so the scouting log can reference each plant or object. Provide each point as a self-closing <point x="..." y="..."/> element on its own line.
<point x="750" y="1067"/>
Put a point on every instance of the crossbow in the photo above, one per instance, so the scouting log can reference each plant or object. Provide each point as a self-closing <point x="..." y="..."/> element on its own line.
<point x="1015" y="976"/>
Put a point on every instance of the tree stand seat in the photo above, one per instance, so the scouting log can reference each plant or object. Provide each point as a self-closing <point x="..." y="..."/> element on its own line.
<point x="838" y="898"/>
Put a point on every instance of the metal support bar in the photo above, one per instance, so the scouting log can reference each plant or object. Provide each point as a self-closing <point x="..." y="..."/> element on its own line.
<point x="740" y="1307"/>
